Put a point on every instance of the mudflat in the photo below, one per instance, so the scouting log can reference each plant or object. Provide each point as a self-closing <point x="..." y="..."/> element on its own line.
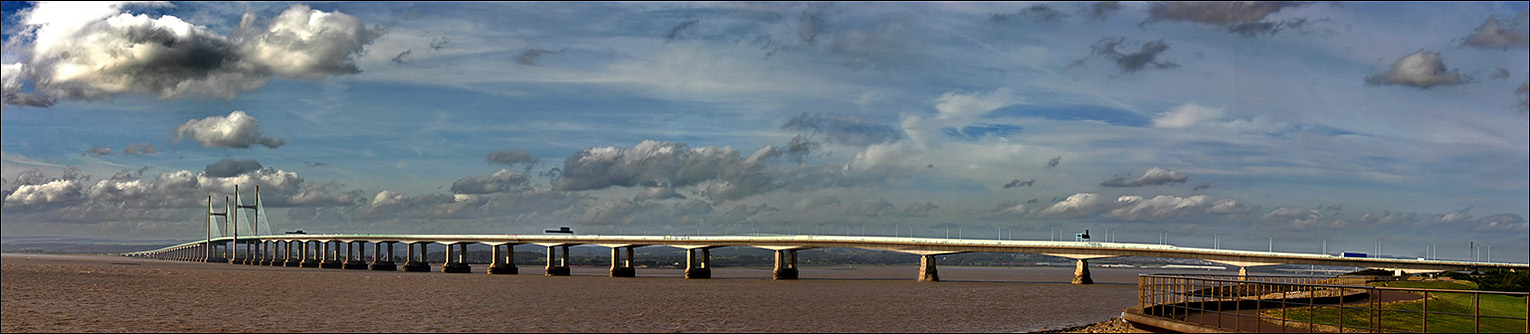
<point x="51" y="293"/>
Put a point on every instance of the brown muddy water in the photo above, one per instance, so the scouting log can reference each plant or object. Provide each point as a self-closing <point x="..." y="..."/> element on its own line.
<point x="51" y="293"/>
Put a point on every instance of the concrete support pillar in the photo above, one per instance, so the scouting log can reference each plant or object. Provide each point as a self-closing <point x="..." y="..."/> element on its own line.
<point x="622" y="267"/>
<point x="379" y="262"/>
<point x="305" y="259"/>
<point x="357" y="261"/>
<point x="786" y="265"/>
<point x="294" y="254"/>
<point x="260" y="253"/>
<point x="267" y="252"/>
<point x="417" y="264"/>
<point x="1242" y="273"/>
<point x="1081" y="273"/>
<point x="698" y="268"/>
<point x="249" y="251"/>
<point x="331" y="256"/>
<point x="454" y="262"/>
<point x="557" y="264"/>
<point x="504" y="263"/>
<point x="927" y="270"/>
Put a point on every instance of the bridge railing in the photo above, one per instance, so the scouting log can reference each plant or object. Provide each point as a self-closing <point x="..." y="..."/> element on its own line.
<point x="1327" y="305"/>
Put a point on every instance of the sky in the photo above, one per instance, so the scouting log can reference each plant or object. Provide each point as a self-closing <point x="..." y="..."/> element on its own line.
<point x="1292" y="126"/>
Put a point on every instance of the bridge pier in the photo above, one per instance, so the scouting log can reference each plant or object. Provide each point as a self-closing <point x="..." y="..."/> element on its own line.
<point x="274" y="259"/>
<point x="307" y="256"/>
<point x="786" y="265"/>
<point x="698" y="268"/>
<point x="331" y="255"/>
<point x="355" y="261"/>
<point x="454" y="264"/>
<point x="292" y="259"/>
<point x="378" y="261"/>
<point x="249" y="251"/>
<point x="622" y="267"/>
<point x="413" y="264"/>
<point x="503" y="263"/>
<point x="562" y="259"/>
<point x="262" y="251"/>
<point x="927" y="270"/>
<point x="1081" y="273"/>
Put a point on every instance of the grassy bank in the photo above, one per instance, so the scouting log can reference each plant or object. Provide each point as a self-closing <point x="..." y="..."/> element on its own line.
<point x="1406" y="315"/>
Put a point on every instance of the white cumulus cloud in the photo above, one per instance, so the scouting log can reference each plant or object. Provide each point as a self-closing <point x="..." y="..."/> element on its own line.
<point x="238" y="130"/>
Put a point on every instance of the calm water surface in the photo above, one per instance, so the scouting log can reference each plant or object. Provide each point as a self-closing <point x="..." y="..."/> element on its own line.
<point x="99" y="293"/>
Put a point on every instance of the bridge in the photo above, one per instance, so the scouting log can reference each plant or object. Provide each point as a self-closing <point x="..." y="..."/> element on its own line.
<point x="348" y="251"/>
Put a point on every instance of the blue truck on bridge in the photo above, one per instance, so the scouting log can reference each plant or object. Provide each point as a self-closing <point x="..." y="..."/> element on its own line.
<point x="1352" y="254"/>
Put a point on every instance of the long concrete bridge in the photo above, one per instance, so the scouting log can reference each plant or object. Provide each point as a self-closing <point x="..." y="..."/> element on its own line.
<point x="325" y="250"/>
<point x="348" y="251"/>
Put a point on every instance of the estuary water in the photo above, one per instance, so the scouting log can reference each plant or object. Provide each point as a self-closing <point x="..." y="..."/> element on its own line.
<point x="52" y="293"/>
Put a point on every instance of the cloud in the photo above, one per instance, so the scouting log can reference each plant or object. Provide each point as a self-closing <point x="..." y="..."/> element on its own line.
<point x="238" y="130"/>
<point x="1247" y="18"/>
<point x="1493" y="35"/>
<point x="1202" y="186"/>
<point x="843" y="129"/>
<point x="1054" y="162"/>
<point x="11" y="93"/>
<point x="869" y="208"/>
<point x="529" y="57"/>
<point x="1009" y="209"/>
<point x="502" y="181"/>
<point x="1017" y="183"/>
<point x="1152" y="177"/>
<point x="657" y="193"/>
<point x="512" y="157"/>
<point x="810" y="203"/>
<point x="919" y="209"/>
<point x="1102" y="10"/>
<point x="1037" y="12"/>
<point x="1171" y="207"/>
<point x="652" y="164"/>
<point x="1185" y="116"/>
<point x="95" y="51"/>
<point x="675" y="32"/>
<point x="1077" y="205"/>
<point x="1146" y="56"/>
<point x="230" y="167"/>
<point x="1503" y="222"/>
<point x="55" y="192"/>
<point x="1421" y="69"/>
<point x="99" y="151"/>
<point x="139" y="149"/>
<point x="403" y="59"/>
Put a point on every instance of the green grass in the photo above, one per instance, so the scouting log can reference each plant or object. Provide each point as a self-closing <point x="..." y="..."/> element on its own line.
<point x="1403" y="316"/>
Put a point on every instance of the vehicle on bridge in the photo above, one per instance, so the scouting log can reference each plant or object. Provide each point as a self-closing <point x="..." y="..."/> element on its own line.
<point x="296" y="232"/>
<point x="1352" y="254"/>
<point x="564" y="230"/>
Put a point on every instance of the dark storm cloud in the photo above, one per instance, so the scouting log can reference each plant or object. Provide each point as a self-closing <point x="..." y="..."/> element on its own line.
<point x="1037" y="12"/>
<point x="843" y="130"/>
<point x="230" y="167"/>
<point x="675" y="33"/>
<point x="1146" y="56"/>
<point x="512" y="157"/>
<point x="403" y="58"/>
<point x="1152" y="177"/>
<point x="1017" y="183"/>
<point x="1247" y="18"/>
<point x="1102" y="10"/>
<point x="529" y="57"/>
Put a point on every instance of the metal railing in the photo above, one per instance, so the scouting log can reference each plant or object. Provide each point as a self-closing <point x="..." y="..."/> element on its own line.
<point x="1327" y="304"/>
